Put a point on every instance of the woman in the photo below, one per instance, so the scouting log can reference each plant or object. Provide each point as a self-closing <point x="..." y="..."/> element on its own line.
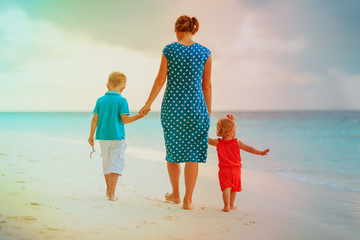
<point x="186" y="106"/>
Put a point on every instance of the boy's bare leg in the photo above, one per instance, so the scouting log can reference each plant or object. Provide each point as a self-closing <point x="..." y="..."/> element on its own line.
<point x="113" y="182"/>
<point x="191" y="172"/>
<point x="174" y="175"/>
<point x="232" y="199"/>
<point x="226" y="198"/>
<point x="107" y="180"/>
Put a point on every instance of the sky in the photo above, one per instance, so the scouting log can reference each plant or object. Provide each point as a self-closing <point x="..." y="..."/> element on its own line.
<point x="267" y="55"/>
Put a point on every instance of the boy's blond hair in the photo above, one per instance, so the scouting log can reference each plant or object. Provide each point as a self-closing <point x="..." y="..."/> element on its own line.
<point x="224" y="126"/>
<point x="117" y="78"/>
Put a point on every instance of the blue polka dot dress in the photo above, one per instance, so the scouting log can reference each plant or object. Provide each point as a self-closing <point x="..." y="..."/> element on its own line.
<point x="184" y="115"/>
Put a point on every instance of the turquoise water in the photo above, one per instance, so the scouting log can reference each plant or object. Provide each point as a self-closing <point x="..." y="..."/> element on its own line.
<point x="314" y="147"/>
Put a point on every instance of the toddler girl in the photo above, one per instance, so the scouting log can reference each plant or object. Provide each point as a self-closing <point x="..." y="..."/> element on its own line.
<point x="228" y="150"/>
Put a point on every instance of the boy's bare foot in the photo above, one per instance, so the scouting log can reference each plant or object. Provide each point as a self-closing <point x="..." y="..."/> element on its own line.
<point x="233" y="207"/>
<point x="170" y="197"/>
<point x="187" y="205"/>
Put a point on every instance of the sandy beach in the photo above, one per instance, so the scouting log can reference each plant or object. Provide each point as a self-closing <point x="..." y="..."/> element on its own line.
<point x="51" y="189"/>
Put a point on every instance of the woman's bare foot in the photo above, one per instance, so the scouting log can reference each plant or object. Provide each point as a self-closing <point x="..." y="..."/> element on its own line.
<point x="187" y="205"/>
<point x="112" y="197"/>
<point x="233" y="207"/>
<point x="170" y="197"/>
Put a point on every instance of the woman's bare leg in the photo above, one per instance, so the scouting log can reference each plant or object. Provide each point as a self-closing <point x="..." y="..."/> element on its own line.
<point x="174" y="175"/>
<point x="190" y="172"/>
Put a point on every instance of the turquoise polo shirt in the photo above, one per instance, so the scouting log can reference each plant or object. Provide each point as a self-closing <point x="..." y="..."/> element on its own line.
<point x="110" y="107"/>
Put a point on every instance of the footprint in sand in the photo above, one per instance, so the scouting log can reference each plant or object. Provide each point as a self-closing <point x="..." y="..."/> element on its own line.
<point x="33" y="204"/>
<point x="97" y="206"/>
<point x="72" y="197"/>
<point x="56" y="229"/>
<point x="225" y="230"/>
<point x="14" y="193"/>
<point x="172" y="218"/>
<point x="22" y="218"/>
<point x="144" y="222"/>
<point x="249" y="223"/>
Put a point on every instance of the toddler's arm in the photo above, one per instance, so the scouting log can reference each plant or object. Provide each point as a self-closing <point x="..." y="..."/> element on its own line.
<point x="129" y="119"/>
<point x="252" y="150"/>
<point x="94" y="122"/>
<point x="213" y="142"/>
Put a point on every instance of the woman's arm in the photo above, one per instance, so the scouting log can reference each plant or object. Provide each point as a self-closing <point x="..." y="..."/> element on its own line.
<point x="206" y="83"/>
<point x="158" y="84"/>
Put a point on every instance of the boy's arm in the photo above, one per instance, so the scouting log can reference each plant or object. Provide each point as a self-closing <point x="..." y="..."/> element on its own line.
<point x="129" y="119"/>
<point x="94" y="122"/>
<point x="250" y="149"/>
<point x="213" y="142"/>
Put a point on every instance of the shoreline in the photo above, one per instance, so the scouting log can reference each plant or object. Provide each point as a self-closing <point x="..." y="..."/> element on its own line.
<point x="52" y="190"/>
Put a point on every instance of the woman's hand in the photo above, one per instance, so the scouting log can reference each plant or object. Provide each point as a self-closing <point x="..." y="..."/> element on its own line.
<point x="145" y="110"/>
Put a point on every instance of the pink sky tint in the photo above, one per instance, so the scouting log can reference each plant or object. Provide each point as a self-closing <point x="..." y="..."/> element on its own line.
<point x="258" y="64"/>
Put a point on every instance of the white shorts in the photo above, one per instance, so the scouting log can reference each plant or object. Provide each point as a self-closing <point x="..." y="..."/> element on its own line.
<point x="113" y="153"/>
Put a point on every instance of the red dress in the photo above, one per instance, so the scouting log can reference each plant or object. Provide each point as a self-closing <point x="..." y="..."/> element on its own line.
<point x="229" y="164"/>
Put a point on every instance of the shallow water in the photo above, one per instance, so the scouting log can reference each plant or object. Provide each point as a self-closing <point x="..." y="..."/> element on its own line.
<point x="321" y="147"/>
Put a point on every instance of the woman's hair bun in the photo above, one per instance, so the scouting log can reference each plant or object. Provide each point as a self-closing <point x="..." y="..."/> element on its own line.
<point x="186" y="24"/>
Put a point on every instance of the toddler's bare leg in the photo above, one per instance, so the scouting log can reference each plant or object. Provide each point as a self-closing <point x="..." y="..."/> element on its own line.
<point x="107" y="180"/>
<point x="174" y="175"/>
<point x="226" y="199"/>
<point x="113" y="181"/>
<point x="232" y="199"/>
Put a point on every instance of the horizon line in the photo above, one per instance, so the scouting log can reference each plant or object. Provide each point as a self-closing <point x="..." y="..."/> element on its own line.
<point x="219" y="111"/>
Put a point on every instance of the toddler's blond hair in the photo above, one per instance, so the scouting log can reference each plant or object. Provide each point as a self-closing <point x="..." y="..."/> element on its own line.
<point x="224" y="126"/>
<point x="117" y="78"/>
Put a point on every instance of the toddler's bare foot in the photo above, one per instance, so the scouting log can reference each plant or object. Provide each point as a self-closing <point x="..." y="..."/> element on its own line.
<point x="170" y="197"/>
<point x="226" y="209"/>
<point x="233" y="207"/>
<point x="107" y="193"/>
<point x="187" y="205"/>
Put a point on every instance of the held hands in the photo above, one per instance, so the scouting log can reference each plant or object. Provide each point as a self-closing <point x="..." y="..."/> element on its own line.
<point x="145" y="110"/>
<point x="265" y="152"/>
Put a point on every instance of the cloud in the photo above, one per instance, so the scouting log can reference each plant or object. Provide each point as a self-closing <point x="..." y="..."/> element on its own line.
<point x="54" y="70"/>
<point x="257" y="65"/>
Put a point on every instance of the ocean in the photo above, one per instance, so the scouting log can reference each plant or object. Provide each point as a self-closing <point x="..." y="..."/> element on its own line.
<point x="317" y="147"/>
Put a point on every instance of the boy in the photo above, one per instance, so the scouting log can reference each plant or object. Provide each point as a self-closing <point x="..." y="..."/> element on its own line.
<point x="110" y="114"/>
